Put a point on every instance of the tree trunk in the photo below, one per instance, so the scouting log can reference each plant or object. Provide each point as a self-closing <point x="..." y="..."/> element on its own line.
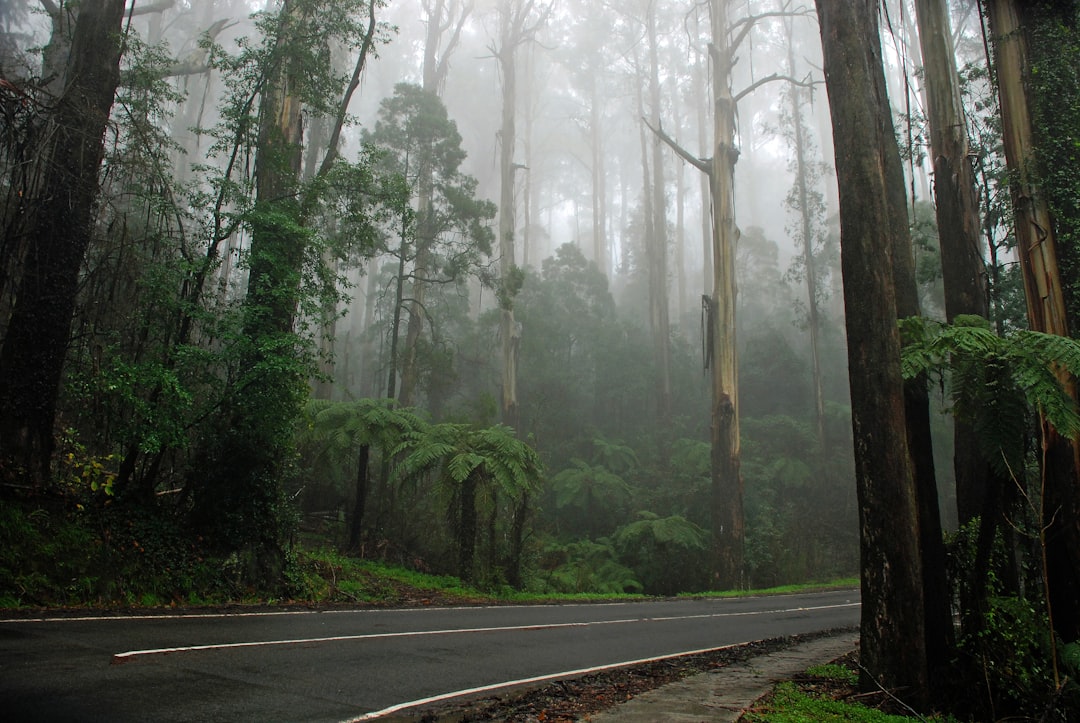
<point x="467" y="528"/>
<point x="727" y="483"/>
<point x="807" y="231"/>
<point x="356" y="524"/>
<point x="956" y="203"/>
<point x="508" y="331"/>
<point x="237" y="503"/>
<point x="58" y="226"/>
<point x="1037" y="249"/>
<point x="892" y="639"/>
<point x="657" y="243"/>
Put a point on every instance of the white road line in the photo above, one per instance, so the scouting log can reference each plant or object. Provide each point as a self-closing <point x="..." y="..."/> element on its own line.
<point x="527" y="681"/>
<point x="132" y="654"/>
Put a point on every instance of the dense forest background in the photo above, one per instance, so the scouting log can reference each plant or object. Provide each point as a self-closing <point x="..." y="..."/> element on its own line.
<point x="545" y="295"/>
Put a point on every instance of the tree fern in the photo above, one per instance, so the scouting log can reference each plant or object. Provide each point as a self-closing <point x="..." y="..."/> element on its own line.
<point x="997" y="383"/>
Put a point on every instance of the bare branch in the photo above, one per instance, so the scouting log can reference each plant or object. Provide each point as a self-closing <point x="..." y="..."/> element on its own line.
<point x="771" y="78"/>
<point x="51" y="8"/>
<point x="354" y="83"/>
<point x="154" y="7"/>
<point x="702" y="164"/>
<point x="742" y="27"/>
<point x="196" y="61"/>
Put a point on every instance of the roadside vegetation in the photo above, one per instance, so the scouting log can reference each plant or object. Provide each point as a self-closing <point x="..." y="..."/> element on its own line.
<point x="75" y="557"/>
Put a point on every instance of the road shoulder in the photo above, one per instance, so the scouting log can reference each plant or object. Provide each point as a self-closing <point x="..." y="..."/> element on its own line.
<point x="724" y="694"/>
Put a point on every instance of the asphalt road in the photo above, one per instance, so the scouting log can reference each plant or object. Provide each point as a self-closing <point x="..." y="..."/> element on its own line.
<point x="350" y="665"/>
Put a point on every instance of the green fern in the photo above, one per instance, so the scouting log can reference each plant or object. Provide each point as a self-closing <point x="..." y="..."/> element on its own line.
<point x="996" y="383"/>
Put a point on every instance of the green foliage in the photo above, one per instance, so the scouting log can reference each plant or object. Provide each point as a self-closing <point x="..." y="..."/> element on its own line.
<point x="832" y="671"/>
<point x="585" y="567"/>
<point x="791" y="705"/>
<point x="1055" y="55"/>
<point x="1013" y="655"/>
<point x="589" y="498"/>
<point x="668" y="555"/>
<point x="996" y="382"/>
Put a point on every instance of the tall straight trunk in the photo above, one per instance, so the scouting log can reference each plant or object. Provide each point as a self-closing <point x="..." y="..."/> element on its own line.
<point x="508" y="329"/>
<point x="703" y="91"/>
<point x="727" y="483"/>
<point x="599" y="192"/>
<point x="57" y="227"/>
<point x="680" y="245"/>
<point x="657" y="243"/>
<point x="1037" y="250"/>
<point x="800" y="137"/>
<point x="959" y="225"/>
<point x="873" y="226"/>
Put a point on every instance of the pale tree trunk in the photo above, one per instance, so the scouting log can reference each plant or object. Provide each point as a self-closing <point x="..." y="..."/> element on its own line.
<point x="806" y="229"/>
<point x="656" y="243"/>
<point x="726" y="487"/>
<point x="703" y="92"/>
<point x="873" y="227"/>
<point x="519" y="20"/>
<point x="727" y="482"/>
<point x="508" y="331"/>
<point x="58" y="225"/>
<point x="1037" y="249"/>
<point x="599" y="191"/>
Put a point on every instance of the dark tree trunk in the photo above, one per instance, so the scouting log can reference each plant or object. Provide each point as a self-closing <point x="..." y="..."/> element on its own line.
<point x="356" y="524"/>
<point x="467" y="528"/>
<point x="58" y="228"/>
<point x="956" y="203"/>
<point x="892" y="636"/>
<point x="517" y="541"/>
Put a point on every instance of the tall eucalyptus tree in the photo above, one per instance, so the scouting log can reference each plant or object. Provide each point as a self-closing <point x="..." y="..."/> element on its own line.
<point x="872" y="217"/>
<point x="718" y="308"/>
<point x="519" y="21"/>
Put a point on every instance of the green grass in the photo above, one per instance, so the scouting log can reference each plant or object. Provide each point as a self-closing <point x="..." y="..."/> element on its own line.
<point x="841" y="584"/>
<point x="832" y="671"/>
<point x="791" y="705"/>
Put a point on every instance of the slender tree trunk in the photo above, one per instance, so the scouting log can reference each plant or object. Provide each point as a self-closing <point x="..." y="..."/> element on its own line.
<point x="892" y="640"/>
<point x="807" y="231"/>
<point x="599" y="193"/>
<point x="467" y="528"/>
<point x="508" y="328"/>
<point x="657" y="243"/>
<point x="58" y="226"/>
<point x="356" y="524"/>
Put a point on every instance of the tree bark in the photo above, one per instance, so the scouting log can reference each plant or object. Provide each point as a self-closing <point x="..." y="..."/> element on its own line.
<point x="1037" y="250"/>
<point x="959" y="224"/>
<point x="507" y="325"/>
<point x="656" y="243"/>
<point x="727" y="484"/>
<point x="892" y="639"/>
<point x="58" y="226"/>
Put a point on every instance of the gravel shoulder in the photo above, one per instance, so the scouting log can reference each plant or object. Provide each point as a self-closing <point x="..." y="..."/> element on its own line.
<point x="715" y="686"/>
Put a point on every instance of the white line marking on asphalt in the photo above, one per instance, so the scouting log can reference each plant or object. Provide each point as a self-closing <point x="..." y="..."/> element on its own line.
<point x="527" y="681"/>
<point x="132" y="654"/>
